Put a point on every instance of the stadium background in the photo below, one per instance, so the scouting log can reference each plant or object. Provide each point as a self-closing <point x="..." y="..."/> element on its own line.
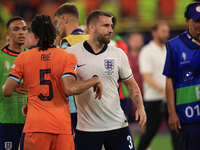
<point x="132" y="16"/>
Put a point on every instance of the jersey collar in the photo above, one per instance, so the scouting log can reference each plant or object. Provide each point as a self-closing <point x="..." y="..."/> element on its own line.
<point x="89" y="48"/>
<point x="5" y="49"/>
<point x="187" y="41"/>
<point x="77" y="31"/>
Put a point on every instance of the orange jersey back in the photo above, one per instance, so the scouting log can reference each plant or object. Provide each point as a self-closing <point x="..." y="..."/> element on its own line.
<point x="42" y="72"/>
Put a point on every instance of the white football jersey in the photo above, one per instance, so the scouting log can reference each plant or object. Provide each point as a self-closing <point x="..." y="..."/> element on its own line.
<point x="110" y="65"/>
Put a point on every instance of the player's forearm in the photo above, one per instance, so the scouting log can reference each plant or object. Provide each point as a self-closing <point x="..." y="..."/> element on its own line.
<point x="134" y="93"/>
<point x="8" y="87"/>
<point x="136" y="97"/>
<point x="170" y="96"/>
<point x="78" y="87"/>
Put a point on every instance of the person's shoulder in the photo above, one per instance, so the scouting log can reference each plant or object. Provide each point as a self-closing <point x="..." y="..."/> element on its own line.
<point x="116" y="50"/>
<point x="174" y="40"/>
<point x="75" y="47"/>
<point x="147" y="48"/>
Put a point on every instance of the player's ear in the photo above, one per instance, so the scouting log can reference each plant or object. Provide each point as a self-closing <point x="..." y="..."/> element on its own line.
<point x="91" y="28"/>
<point x="7" y="33"/>
<point x="187" y="21"/>
<point x="65" y="19"/>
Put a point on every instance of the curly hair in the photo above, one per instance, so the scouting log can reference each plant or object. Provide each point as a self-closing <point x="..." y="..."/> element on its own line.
<point x="44" y="29"/>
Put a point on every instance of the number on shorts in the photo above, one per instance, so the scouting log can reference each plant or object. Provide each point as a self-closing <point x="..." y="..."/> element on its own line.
<point x="130" y="140"/>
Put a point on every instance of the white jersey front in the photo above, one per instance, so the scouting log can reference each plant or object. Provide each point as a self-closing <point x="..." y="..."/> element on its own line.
<point x="110" y="65"/>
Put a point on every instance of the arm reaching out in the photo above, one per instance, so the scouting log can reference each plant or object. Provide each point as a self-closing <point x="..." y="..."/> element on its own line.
<point x="73" y="87"/>
<point x="135" y="95"/>
<point x="12" y="86"/>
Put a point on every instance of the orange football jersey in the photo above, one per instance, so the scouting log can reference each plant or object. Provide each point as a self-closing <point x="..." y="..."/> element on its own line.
<point x="42" y="73"/>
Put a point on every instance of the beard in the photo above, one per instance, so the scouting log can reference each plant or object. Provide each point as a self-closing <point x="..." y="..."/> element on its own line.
<point x="103" y="38"/>
<point x="162" y="40"/>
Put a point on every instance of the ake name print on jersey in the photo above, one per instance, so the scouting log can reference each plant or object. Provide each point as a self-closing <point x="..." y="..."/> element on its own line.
<point x="109" y="65"/>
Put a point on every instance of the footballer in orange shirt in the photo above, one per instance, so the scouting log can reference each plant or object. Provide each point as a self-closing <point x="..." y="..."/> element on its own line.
<point x="49" y="74"/>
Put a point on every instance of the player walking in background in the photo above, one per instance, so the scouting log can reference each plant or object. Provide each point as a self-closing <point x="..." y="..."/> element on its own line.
<point x="67" y="17"/>
<point x="49" y="74"/>
<point x="151" y="60"/>
<point x="11" y="118"/>
<point x="183" y="80"/>
<point x="104" y="122"/>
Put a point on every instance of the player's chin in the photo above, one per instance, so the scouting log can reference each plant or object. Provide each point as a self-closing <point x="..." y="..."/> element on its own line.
<point x="21" y="43"/>
<point x="107" y="41"/>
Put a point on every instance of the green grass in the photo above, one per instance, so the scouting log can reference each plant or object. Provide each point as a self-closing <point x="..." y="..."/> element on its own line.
<point x="161" y="141"/>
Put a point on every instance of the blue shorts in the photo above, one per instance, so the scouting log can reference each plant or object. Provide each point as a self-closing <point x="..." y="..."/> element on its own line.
<point x="119" y="139"/>
<point x="74" y="122"/>
<point x="10" y="135"/>
<point x="190" y="135"/>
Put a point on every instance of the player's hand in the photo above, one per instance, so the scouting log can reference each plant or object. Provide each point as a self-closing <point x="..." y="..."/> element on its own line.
<point x="174" y="122"/>
<point x="98" y="89"/>
<point x="25" y="110"/>
<point x="140" y="113"/>
<point x="20" y="88"/>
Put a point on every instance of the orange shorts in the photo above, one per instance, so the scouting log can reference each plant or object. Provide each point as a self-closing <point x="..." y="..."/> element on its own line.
<point x="48" y="141"/>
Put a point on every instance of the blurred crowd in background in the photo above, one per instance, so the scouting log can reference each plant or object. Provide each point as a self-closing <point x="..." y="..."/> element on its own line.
<point x="134" y="18"/>
<point x="132" y="15"/>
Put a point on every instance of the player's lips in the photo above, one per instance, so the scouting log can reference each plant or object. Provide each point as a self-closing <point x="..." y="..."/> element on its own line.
<point x="21" y="38"/>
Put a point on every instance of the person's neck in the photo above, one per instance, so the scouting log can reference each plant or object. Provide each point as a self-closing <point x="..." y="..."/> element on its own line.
<point x="70" y="28"/>
<point x="197" y="36"/>
<point x="134" y="53"/>
<point x="161" y="45"/>
<point x="16" y="47"/>
<point x="96" y="46"/>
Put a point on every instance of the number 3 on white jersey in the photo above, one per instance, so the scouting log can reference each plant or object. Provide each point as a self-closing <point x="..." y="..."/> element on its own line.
<point x="130" y="140"/>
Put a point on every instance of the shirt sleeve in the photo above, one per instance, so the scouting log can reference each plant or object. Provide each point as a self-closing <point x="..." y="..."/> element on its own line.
<point x="70" y="67"/>
<point x="125" y="69"/>
<point x="145" y="61"/>
<point x="168" y="70"/>
<point x="17" y="69"/>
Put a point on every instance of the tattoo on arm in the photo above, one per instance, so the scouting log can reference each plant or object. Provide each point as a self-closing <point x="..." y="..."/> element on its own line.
<point x="131" y="92"/>
<point x="135" y="93"/>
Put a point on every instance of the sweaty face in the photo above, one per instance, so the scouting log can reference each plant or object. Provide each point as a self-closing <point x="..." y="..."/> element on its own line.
<point x="17" y="32"/>
<point x="163" y="33"/>
<point x="103" y="30"/>
<point x="60" y="25"/>
<point x="194" y="27"/>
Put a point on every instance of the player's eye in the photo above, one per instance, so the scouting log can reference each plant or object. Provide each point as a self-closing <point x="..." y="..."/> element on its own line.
<point x="16" y="29"/>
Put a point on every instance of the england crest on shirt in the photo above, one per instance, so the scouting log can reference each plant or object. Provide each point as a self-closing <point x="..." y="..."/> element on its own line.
<point x="8" y="145"/>
<point x="109" y="65"/>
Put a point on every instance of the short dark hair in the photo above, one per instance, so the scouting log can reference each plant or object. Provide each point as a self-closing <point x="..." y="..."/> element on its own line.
<point x="13" y="19"/>
<point x="156" y="25"/>
<point x="43" y="28"/>
<point x="67" y="8"/>
<point x="94" y="16"/>
<point x="114" y="20"/>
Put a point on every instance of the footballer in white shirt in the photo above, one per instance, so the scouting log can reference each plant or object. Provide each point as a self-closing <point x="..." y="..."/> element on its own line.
<point x="103" y="121"/>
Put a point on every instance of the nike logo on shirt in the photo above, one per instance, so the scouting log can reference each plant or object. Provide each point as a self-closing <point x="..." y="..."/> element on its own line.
<point x="81" y="65"/>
